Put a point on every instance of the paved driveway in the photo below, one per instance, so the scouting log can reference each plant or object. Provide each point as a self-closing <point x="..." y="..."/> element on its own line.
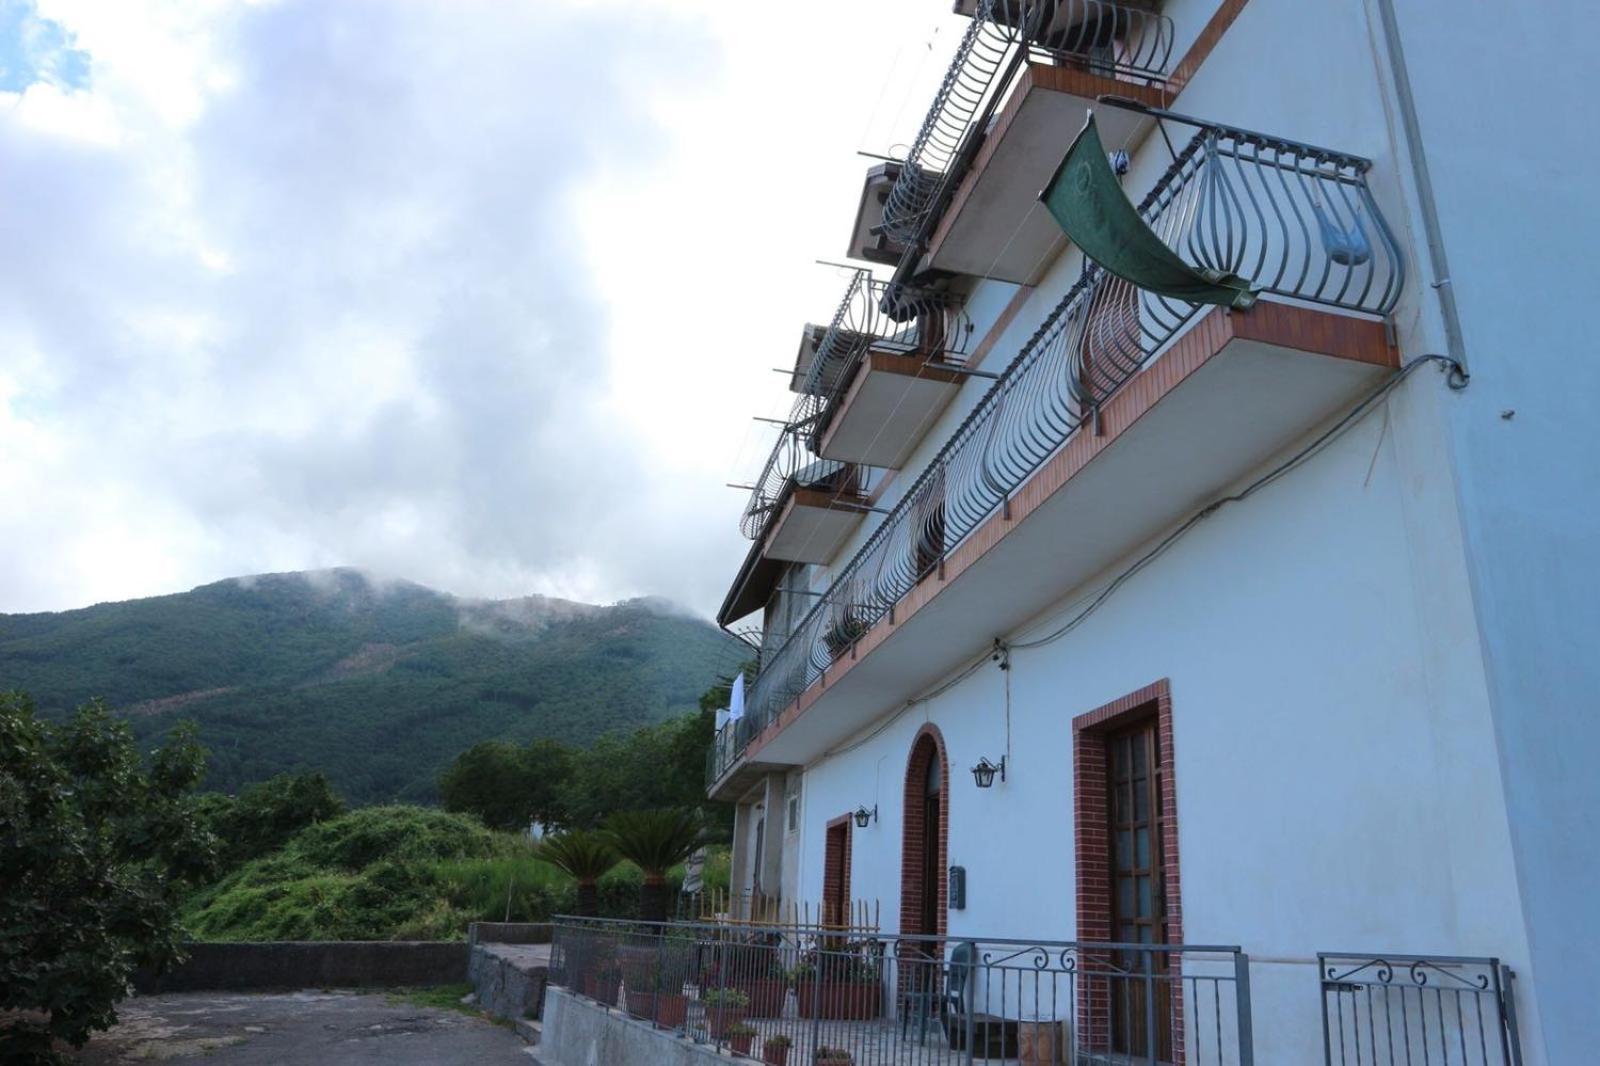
<point x="236" y="1029"/>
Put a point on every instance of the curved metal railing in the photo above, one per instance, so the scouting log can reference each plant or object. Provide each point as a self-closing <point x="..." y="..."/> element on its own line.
<point x="875" y="316"/>
<point x="1297" y="220"/>
<point x="791" y="461"/>
<point x="1117" y="39"/>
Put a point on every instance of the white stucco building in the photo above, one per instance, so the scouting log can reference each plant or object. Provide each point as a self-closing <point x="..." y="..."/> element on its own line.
<point x="1281" y="619"/>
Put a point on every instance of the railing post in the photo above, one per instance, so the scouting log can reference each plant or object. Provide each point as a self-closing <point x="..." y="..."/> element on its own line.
<point x="1150" y="1044"/>
<point x="661" y="962"/>
<point x="816" y="994"/>
<point x="1241" y="1000"/>
<point x="969" y="996"/>
<point x="1505" y="987"/>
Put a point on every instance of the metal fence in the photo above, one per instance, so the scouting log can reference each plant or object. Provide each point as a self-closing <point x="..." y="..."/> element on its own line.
<point x="803" y="995"/>
<point x="1417" y="1010"/>
<point x="1114" y="39"/>
<point x="1298" y="220"/>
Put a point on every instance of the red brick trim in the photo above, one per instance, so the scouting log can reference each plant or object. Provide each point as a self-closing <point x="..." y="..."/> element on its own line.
<point x="1091" y="821"/>
<point x="926" y="745"/>
<point x="836" y="873"/>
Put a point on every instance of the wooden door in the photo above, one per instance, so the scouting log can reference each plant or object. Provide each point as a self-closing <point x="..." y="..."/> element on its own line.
<point x="1138" y="890"/>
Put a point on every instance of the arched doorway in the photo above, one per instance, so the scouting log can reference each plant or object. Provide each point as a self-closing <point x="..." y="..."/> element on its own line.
<point x="924" y="846"/>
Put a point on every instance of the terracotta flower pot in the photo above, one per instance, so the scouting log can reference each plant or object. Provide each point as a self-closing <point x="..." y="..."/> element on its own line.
<point x="602" y="988"/>
<point x="720" y="1019"/>
<point x="840" y="1000"/>
<point x="669" y="1010"/>
<point x="775" y="1055"/>
<point x="1041" y="1043"/>
<point x="766" y="997"/>
<point x="740" y="1043"/>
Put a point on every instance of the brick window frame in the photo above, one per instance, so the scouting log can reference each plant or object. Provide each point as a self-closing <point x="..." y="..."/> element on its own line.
<point x="1092" y="834"/>
<point x="926" y="745"/>
<point x="836" y="873"/>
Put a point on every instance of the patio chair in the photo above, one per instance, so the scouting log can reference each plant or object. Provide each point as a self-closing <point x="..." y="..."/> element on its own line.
<point x="923" y="1002"/>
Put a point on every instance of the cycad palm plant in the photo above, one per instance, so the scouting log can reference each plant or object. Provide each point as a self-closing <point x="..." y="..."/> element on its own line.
<point x="655" y="841"/>
<point x="586" y="857"/>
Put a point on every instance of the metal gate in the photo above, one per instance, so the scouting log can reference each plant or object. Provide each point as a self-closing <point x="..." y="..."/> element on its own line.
<point x="1417" y="1010"/>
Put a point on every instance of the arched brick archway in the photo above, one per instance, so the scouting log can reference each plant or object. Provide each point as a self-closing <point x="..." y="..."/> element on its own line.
<point x="925" y="836"/>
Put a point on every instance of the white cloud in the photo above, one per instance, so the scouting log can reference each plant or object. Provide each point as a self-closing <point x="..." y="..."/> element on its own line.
<point x="477" y="294"/>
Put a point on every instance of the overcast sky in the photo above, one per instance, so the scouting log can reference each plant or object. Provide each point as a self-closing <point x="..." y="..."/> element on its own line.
<point x="479" y="294"/>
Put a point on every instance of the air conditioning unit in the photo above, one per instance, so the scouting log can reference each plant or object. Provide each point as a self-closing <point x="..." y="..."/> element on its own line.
<point x="867" y="240"/>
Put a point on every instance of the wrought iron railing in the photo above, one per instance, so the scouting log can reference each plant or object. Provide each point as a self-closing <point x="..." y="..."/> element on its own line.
<point x="1124" y="40"/>
<point x="1298" y="220"/>
<point x="792" y="463"/>
<point x="1406" y="1010"/>
<point x="885" y="1000"/>
<point x="875" y="316"/>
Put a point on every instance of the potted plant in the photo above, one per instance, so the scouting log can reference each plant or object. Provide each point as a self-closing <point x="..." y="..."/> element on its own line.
<point x="833" y="1056"/>
<point x="725" y="1008"/>
<point x="848" y="988"/>
<point x="654" y="841"/>
<point x="602" y="983"/>
<point x="844" y="631"/>
<point x="757" y="971"/>
<point x="775" y="1050"/>
<point x="653" y="976"/>
<point x="739" y="1038"/>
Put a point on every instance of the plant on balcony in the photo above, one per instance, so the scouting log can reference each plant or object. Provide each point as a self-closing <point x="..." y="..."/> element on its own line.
<point x="843" y="632"/>
<point x="775" y="1050"/>
<point x="654" y="841"/>
<point x="833" y="1056"/>
<point x="739" y="1038"/>
<point x="838" y="984"/>
<point x="756" y="969"/>
<point x="586" y="858"/>
<point x="653" y="975"/>
<point x="725" y="1008"/>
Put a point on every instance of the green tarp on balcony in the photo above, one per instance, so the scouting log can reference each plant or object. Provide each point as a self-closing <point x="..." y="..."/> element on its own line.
<point x="1087" y="202"/>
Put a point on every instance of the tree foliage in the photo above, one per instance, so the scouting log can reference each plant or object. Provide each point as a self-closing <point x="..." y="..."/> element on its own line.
<point x="506" y="786"/>
<point x="264" y="816"/>
<point x="97" y="844"/>
<point x="585" y="857"/>
<point x="655" y="841"/>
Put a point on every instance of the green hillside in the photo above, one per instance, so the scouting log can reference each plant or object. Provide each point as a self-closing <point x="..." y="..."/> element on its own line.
<point x="380" y="684"/>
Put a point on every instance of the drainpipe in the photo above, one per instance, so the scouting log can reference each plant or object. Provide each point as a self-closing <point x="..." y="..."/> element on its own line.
<point x="1437" y="261"/>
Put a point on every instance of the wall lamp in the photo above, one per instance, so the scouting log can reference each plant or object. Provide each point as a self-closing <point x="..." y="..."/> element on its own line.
<point x="863" y="816"/>
<point x="984" y="772"/>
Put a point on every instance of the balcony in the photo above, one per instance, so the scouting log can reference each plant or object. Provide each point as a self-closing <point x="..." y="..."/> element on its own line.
<point x="883" y="370"/>
<point x="1025" y="69"/>
<point x="802" y="507"/>
<point x="1125" y="412"/>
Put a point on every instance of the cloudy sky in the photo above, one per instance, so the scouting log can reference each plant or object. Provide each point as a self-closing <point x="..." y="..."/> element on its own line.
<point x="480" y="294"/>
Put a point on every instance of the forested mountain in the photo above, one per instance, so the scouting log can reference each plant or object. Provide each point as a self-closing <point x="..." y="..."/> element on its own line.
<point x="378" y="683"/>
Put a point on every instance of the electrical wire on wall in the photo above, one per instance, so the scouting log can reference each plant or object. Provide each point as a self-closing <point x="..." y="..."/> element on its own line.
<point x="1001" y="651"/>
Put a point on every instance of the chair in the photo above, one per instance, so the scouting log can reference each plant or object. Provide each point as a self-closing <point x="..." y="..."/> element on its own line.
<point x="922" y="1002"/>
<point x="956" y="978"/>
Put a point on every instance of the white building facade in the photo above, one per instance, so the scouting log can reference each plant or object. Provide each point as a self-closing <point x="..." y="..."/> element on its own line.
<point x="1273" y="620"/>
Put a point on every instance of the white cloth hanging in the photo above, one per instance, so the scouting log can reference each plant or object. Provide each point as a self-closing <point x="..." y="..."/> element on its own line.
<point x="736" y="700"/>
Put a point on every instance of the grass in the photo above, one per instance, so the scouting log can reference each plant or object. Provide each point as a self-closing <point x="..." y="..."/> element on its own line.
<point x="439" y="997"/>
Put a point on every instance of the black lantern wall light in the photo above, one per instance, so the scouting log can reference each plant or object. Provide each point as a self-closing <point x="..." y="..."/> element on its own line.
<point x="863" y="816"/>
<point x="984" y="772"/>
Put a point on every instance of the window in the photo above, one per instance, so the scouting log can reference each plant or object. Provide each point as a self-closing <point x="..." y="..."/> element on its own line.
<point x="794" y="808"/>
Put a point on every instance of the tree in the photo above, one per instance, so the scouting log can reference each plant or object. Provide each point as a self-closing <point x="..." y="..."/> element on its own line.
<point x="97" y="846"/>
<point x="265" y="815"/>
<point x="585" y="857"/>
<point x="655" y="841"/>
<point x="506" y="786"/>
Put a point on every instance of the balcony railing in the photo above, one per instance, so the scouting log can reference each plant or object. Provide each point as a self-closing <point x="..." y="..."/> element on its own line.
<point x="1119" y="40"/>
<point x="1297" y="220"/>
<point x="875" y="316"/>
<point x="902" y="1000"/>
<point x="1407" y="1010"/>
<point x="792" y="464"/>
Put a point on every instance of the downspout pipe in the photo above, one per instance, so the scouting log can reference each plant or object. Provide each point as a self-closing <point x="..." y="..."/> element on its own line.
<point x="1455" y="344"/>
